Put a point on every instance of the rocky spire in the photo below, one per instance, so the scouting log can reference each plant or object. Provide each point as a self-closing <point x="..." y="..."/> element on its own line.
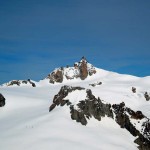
<point x="80" y="70"/>
<point x="83" y="68"/>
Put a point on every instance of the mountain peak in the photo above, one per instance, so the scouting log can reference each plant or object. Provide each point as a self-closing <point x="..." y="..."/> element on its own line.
<point x="81" y="69"/>
<point x="83" y="59"/>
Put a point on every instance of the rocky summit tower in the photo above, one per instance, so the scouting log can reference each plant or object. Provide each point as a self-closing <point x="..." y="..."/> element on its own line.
<point x="81" y="69"/>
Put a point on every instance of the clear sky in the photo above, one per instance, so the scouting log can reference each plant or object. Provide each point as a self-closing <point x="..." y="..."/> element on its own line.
<point x="37" y="36"/>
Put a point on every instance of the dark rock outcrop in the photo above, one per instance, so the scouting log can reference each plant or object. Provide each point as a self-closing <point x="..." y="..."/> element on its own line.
<point x="56" y="76"/>
<point x="52" y="107"/>
<point x="24" y="82"/>
<point x="89" y="107"/>
<point x="133" y="89"/>
<point x="123" y="119"/>
<point x="146" y="95"/>
<point x="14" y="82"/>
<point x="95" y="84"/>
<point x="32" y="83"/>
<point x="20" y="82"/>
<point x="79" y="116"/>
<point x="94" y="107"/>
<point x="59" y="98"/>
<point x="2" y="100"/>
<point x="146" y="129"/>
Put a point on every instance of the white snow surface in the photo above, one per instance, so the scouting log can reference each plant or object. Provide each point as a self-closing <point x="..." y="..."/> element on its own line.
<point x="26" y="123"/>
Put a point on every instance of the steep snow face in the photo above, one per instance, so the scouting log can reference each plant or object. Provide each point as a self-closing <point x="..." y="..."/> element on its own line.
<point x="25" y="123"/>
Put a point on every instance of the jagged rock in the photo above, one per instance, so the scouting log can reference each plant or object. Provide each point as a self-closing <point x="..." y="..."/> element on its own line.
<point x="52" y="107"/>
<point x="133" y="89"/>
<point x="63" y="102"/>
<point x="83" y="69"/>
<point x="90" y="95"/>
<point x="68" y="103"/>
<point x="138" y="115"/>
<point x="146" y="129"/>
<point x="33" y="84"/>
<point x="51" y="81"/>
<point x="14" y="82"/>
<point x="20" y="82"/>
<point x="143" y="143"/>
<point x="78" y="116"/>
<point x="56" y="76"/>
<point x="64" y="91"/>
<point x="80" y="70"/>
<point x="135" y="115"/>
<point x="123" y="120"/>
<point x="95" y="84"/>
<point x="24" y="82"/>
<point x="86" y="108"/>
<point x="2" y="100"/>
<point x="94" y="107"/>
<point x="147" y="97"/>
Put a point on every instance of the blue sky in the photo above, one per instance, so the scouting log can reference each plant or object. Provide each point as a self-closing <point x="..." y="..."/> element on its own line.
<point x="37" y="36"/>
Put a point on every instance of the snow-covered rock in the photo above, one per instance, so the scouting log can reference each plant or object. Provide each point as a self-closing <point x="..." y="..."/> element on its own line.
<point x="81" y="70"/>
<point x="20" y="83"/>
<point x="86" y="106"/>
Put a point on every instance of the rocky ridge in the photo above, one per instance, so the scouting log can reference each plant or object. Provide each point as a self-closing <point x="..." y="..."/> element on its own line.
<point x="20" y="82"/>
<point x="135" y="122"/>
<point x="95" y="84"/>
<point x="81" y="70"/>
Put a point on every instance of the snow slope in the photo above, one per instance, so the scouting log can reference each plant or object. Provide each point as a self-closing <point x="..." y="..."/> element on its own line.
<point x="25" y="122"/>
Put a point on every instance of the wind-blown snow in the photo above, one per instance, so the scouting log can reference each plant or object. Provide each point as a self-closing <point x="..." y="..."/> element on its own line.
<point x="26" y="124"/>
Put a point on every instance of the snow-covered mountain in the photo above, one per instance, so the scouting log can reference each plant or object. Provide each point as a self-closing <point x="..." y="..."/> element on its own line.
<point x="80" y="107"/>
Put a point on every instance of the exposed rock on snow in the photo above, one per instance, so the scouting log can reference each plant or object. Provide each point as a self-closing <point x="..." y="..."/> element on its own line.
<point x="83" y="69"/>
<point x="133" y="89"/>
<point x="123" y="118"/>
<point x="56" y="76"/>
<point x="95" y="84"/>
<point x="90" y="107"/>
<point x="59" y="98"/>
<point x="29" y="81"/>
<point x="80" y="70"/>
<point x="20" y="83"/>
<point x="2" y="100"/>
<point x="82" y="110"/>
<point x="146" y="95"/>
